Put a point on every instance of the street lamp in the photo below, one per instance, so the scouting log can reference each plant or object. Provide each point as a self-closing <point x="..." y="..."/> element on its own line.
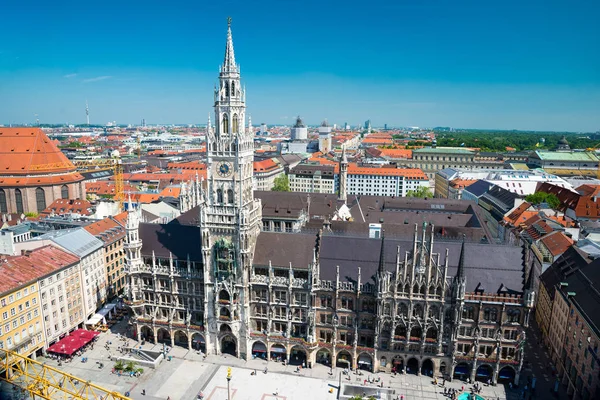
<point x="228" y="380"/>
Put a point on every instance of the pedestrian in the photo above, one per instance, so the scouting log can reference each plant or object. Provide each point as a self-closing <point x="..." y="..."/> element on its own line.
<point x="143" y="392"/>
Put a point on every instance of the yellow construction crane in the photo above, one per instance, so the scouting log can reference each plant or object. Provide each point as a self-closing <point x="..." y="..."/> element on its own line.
<point x="45" y="382"/>
<point x="113" y="164"/>
<point x="99" y="164"/>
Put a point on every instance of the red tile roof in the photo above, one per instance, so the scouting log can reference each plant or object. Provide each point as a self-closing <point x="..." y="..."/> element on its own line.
<point x="28" y="151"/>
<point x="105" y="188"/>
<point x="409" y="173"/>
<point x="69" y="206"/>
<point x="265" y="165"/>
<point x="17" y="271"/>
<point x="396" y="153"/>
<point x="107" y="230"/>
<point x="557" y="243"/>
<point x="584" y="206"/>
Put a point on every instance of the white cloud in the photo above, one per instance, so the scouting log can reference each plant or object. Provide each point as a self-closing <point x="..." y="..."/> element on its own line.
<point x="70" y="76"/>
<point x="96" y="79"/>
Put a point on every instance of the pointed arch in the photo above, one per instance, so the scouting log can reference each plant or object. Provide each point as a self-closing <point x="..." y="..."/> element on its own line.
<point x="230" y="196"/>
<point x="40" y="199"/>
<point x="19" y="201"/>
<point x="403" y="310"/>
<point x="3" y="203"/>
<point x="225" y="123"/>
<point x="418" y="311"/>
<point x="226" y="89"/>
<point x="235" y="124"/>
<point x="232" y="88"/>
<point x="219" y="196"/>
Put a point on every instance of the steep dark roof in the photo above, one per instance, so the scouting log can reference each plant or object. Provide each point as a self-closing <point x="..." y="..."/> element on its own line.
<point x="585" y="284"/>
<point x="478" y="188"/>
<point x="568" y="263"/>
<point x="179" y="240"/>
<point x="282" y="248"/>
<point x="190" y="217"/>
<point x="487" y="266"/>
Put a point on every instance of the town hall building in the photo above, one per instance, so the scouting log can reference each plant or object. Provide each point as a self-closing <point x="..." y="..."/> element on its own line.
<point x="412" y="303"/>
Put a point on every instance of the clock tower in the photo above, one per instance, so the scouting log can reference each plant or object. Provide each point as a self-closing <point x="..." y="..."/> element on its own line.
<point x="230" y="217"/>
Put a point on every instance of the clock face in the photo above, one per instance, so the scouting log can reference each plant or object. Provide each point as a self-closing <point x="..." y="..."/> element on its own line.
<point x="224" y="169"/>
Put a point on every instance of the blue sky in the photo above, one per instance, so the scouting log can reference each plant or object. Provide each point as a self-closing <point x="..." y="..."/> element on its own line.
<point x="507" y="65"/>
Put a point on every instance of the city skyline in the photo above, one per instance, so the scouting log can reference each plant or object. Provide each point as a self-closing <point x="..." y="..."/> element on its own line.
<point x="463" y="65"/>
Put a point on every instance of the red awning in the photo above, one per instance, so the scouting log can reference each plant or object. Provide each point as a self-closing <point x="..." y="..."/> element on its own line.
<point x="70" y="344"/>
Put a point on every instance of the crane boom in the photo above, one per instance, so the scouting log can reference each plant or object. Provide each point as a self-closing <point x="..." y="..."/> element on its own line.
<point x="46" y="382"/>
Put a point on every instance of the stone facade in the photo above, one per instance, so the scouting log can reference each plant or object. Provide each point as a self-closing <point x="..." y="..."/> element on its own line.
<point x="279" y="295"/>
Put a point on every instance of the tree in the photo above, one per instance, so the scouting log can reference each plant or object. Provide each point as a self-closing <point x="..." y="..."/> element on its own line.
<point x="543" y="197"/>
<point x="421" y="192"/>
<point x="281" y="184"/>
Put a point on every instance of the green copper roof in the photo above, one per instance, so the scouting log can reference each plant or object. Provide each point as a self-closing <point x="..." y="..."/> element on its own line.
<point x="443" y="150"/>
<point x="567" y="156"/>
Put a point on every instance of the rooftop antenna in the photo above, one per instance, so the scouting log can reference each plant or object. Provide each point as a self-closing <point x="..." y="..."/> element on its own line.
<point x="87" y="113"/>
<point x="37" y="120"/>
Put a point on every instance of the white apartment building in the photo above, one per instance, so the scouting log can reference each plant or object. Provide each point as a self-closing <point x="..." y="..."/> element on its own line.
<point x="313" y="178"/>
<point x="265" y="173"/>
<point x="384" y="181"/>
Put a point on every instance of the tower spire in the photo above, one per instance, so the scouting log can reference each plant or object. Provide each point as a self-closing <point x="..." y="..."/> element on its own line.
<point x="460" y="273"/>
<point x="229" y="64"/>
<point x="381" y="254"/>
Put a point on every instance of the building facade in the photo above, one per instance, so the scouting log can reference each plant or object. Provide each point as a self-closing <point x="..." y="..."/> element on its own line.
<point x="112" y="235"/>
<point x="265" y="173"/>
<point x="384" y="181"/>
<point x="312" y="178"/>
<point x="418" y="306"/>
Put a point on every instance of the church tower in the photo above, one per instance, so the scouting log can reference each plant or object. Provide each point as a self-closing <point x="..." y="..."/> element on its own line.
<point x="229" y="215"/>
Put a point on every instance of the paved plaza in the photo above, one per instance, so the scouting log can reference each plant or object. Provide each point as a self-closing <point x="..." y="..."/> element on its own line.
<point x="188" y="374"/>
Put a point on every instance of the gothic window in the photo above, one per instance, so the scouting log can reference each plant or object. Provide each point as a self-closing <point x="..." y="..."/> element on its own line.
<point x="219" y="196"/>
<point x="431" y="291"/>
<point x="407" y="289"/>
<point x="226" y="88"/>
<point x="235" y="123"/>
<point x="433" y="312"/>
<point x="232" y="88"/>
<point x="403" y="310"/>
<point x="230" y="196"/>
<point x="19" y="201"/>
<point x="418" y="311"/>
<point x="225" y="124"/>
<point x="64" y="192"/>
<point x="439" y="291"/>
<point x="40" y="199"/>
<point x="468" y="313"/>
<point x="3" y="205"/>
<point x="386" y="309"/>
<point x="493" y="315"/>
<point x="513" y="315"/>
<point x="400" y="332"/>
<point x="415" y="333"/>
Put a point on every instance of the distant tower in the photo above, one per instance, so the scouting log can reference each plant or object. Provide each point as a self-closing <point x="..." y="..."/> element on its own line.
<point x="563" y="145"/>
<point x="299" y="131"/>
<point x="87" y="113"/>
<point x="343" y="195"/>
<point x="325" y="137"/>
